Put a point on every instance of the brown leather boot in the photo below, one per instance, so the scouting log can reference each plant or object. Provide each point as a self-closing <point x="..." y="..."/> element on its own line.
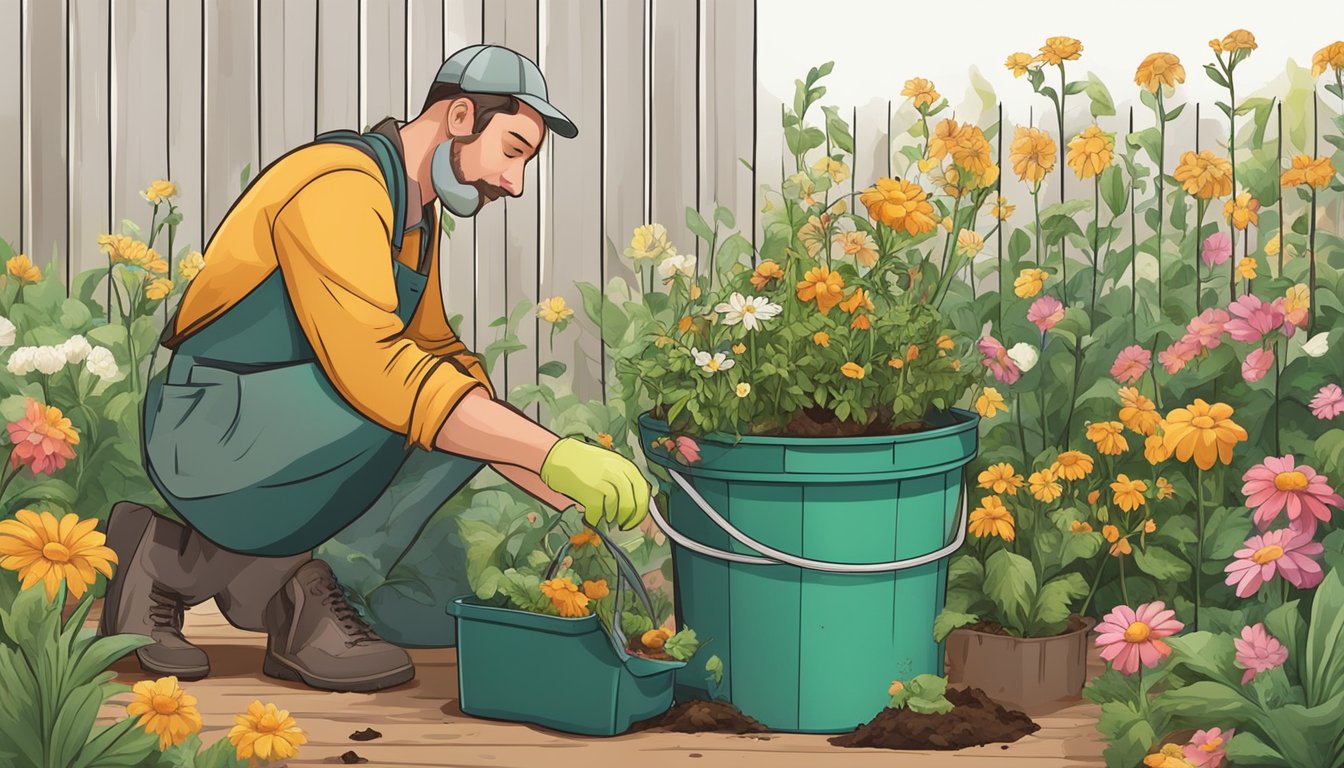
<point x="315" y="636"/>
<point x="139" y="602"/>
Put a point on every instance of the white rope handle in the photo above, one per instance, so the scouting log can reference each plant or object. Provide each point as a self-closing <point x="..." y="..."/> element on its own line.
<point x="776" y="557"/>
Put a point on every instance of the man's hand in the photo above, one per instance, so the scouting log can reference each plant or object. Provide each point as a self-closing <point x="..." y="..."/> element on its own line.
<point x="606" y="483"/>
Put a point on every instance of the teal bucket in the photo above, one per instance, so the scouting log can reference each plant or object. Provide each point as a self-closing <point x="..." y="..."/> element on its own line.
<point x="814" y="567"/>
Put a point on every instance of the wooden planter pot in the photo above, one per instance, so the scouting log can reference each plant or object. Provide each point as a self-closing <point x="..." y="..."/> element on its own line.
<point x="1021" y="672"/>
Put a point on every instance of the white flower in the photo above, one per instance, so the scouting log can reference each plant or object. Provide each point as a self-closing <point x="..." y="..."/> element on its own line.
<point x="1317" y="345"/>
<point x="101" y="363"/>
<point x="75" y="349"/>
<point x="48" y="360"/>
<point x="1025" y="355"/>
<point x="712" y="363"/>
<point x="677" y="264"/>
<point x="749" y="311"/>
<point x="21" y="361"/>
<point x="7" y="332"/>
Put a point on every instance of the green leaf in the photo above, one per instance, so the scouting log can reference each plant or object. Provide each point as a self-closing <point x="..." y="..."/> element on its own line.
<point x="1323" y="668"/>
<point x="697" y="224"/>
<point x="714" y="667"/>
<point x="245" y="176"/>
<point x="1102" y="103"/>
<point x="552" y="368"/>
<point x="635" y="624"/>
<point x="1055" y="601"/>
<point x="1160" y="563"/>
<point x="724" y="216"/>
<point x="1215" y="75"/>
<point x="1010" y="581"/>
<point x="682" y="645"/>
<point x="1246" y="748"/>
<point x="837" y="130"/>
<point x="950" y="620"/>
<point x="1113" y="190"/>
<point x="1127" y="732"/>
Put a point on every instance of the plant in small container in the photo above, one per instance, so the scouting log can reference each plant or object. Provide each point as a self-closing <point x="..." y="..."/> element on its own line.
<point x="925" y="714"/>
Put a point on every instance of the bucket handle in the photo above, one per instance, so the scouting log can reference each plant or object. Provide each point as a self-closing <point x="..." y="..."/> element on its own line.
<point x="626" y="574"/>
<point x="776" y="557"/>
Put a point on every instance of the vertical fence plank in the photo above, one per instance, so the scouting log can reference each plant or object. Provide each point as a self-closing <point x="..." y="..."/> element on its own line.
<point x="870" y="143"/>
<point x="231" y="124"/>
<point x="492" y="266"/>
<point x="139" y="90"/>
<point x="382" y="73"/>
<point x="623" y="182"/>
<point x="424" y="50"/>
<point x="186" y="129"/>
<point x="337" y="65"/>
<point x="46" y="226"/>
<point x="572" y="238"/>
<point x="11" y="117"/>
<point x="287" y="38"/>
<point x="90" y="169"/>
<point x="521" y="216"/>
<point x="673" y="140"/>
<point x="462" y="22"/>
<point x="727" y="29"/>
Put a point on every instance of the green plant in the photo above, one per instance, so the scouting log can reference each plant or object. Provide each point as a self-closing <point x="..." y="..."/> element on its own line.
<point x="925" y="694"/>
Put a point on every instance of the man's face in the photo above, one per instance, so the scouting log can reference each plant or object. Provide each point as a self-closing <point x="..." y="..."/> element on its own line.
<point x="493" y="160"/>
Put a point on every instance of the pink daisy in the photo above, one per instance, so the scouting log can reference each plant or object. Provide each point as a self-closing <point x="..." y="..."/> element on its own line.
<point x="1045" y="312"/>
<point x="997" y="360"/>
<point x="1283" y="551"/>
<point x="1207" y="329"/>
<point x="1130" y="365"/>
<point x="1208" y="748"/>
<point x="1258" y="651"/>
<point x="1182" y="351"/>
<point x="1328" y="403"/>
<point x="1129" y="636"/>
<point x="1216" y="250"/>
<point x="1257" y="364"/>
<point x="1277" y="484"/>
<point x="1253" y="318"/>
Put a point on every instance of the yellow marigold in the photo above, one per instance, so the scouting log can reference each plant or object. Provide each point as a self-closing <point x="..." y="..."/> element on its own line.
<point x="940" y="143"/>
<point x="1138" y="412"/>
<point x="1165" y="490"/>
<point x="1018" y="63"/>
<point x="1001" y="210"/>
<point x="945" y="343"/>
<point x="265" y="733"/>
<point x="970" y="243"/>
<point x="823" y="286"/>
<point x="1150" y="526"/>
<point x="121" y="249"/>
<point x="1110" y="533"/>
<point x="1238" y="40"/>
<point x="1121" y="548"/>
<point x="191" y="266"/>
<point x="1155" y="450"/>
<point x="991" y="518"/>
<point x="989" y="403"/>
<point x="1272" y="246"/>
<point x="1072" y="465"/>
<point x="922" y="91"/>
<point x="164" y="710"/>
<point x="1313" y="171"/>
<point x="1331" y="56"/>
<point x="158" y="288"/>
<point x="605" y="440"/>
<point x="1044" y="485"/>
<point x="1170" y="756"/>
<point x="859" y="298"/>
<point x="1001" y="478"/>
<point x="1203" y="433"/>
<point x="1109" y="437"/>
<point x="858" y="244"/>
<point x="554" y="310"/>
<point x="743" y="389"/>
<point x="1204" y="174"/>
<point x="861" y="323"/>
<point x="648" y="242"/>
<point x="1029" y="282"/>
<point x="1032" y="154"/>
<point x="1242" y="210"/>
<point x="596" y="589"/>
<point x="1058" y="50"/>
<point x="1082" y="526"/>
<point x="836" y="169"/>
<point x="1090" y="152"/>
<point x="1127" y="493"/>
<point x="43" y="548"/>
<point x="566" y="597"/>
<point x="159" y="190"/>
<point x="899" y="204"/>
<point x="821" y="339"/>
<point x="587" y="537"/>
<point x="972" y="152"/>
<point x="852" y="370"/>
<point x="765" y="272"/>
<point x="1246" y="267"/>
<point x="655" y="639"/>
<point x="22" y="268"/>
<point x="1160" y="69"/>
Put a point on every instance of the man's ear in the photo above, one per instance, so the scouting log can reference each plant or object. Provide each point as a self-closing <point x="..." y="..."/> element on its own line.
<point x="461" y="118"/>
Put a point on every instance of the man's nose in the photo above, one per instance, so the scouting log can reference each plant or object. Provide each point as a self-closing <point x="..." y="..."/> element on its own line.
<point x="511" y="181"/>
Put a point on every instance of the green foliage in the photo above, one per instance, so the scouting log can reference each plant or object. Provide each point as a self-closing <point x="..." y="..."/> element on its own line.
<point x="925" y="694"/>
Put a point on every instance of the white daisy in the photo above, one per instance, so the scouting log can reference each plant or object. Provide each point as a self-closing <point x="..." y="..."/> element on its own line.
<point x="747" y="310"/>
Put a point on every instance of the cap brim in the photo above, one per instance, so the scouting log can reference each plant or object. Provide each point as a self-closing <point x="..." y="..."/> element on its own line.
<point x="554" y="118"/>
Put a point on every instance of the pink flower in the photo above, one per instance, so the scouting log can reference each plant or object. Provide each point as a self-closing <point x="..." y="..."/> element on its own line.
<point x="1207" y="329"/>
<point x="1288" y="326"/>
<point x="687" y="449"/>
<point x="1130" y="365"/>
<point x="1328" y="403"/>
<point x="1283" y="551"/>
<point x="997" y="360"/>
<point x="1257" y="364"/>
<point x="1045" y="312"/>
<point x="1277" y="484"/>
<point x="1258" y="651"/>
<point x="43" y="439"/>
<point x="1217" y="249"/>
<point x="1182" y="351"/>
<point x="1254" y="318"/>
<point x="1208" y="748"/>
<point x="1129" y="636"/>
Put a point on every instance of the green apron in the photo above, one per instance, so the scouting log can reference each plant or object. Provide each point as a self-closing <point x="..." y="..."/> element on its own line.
<point x="249" y="442"/>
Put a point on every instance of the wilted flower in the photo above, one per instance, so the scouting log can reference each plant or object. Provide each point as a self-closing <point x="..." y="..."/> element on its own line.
<point x="566" y="597"/>
<point x="1160" y="69"/>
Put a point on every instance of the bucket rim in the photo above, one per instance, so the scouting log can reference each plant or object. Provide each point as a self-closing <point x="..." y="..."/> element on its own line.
<point x="966" y="422"/>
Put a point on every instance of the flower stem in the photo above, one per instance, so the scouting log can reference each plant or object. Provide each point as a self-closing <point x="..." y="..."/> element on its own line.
<point x="1096" y="236"/>
<point x="1161" y="189"/>
<point x="1096" y="581"/>
<point x="1199" y="542"/>
<point x="1124" y="583"/>
<point x="9" y="475"/>
<point x="1200" y="207"/>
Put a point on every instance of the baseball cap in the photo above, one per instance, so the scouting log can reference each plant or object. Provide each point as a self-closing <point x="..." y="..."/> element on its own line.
<point x="500" y="70"/>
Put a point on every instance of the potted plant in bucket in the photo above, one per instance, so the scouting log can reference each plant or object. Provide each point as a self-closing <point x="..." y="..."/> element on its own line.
<point x="800" y="401"/>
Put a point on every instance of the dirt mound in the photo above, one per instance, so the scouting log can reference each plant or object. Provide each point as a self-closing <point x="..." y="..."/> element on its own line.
<point x="975" y="720"/>
<point x="702" y="717"/>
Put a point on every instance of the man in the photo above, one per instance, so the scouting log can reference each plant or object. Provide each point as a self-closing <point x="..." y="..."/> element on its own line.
<point x="310" y="358"/>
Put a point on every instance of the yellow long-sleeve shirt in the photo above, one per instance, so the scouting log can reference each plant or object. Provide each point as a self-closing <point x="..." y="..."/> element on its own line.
<point x="322" y="216"/>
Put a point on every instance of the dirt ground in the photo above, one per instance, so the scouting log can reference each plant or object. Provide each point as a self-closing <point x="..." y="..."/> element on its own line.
<point x="421" y="724"/>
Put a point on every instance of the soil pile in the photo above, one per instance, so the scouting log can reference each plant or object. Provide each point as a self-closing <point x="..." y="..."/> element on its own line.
<point x="1076" y="623"/>
<point x="974" y="720"/>
<point x="702" y="717"/>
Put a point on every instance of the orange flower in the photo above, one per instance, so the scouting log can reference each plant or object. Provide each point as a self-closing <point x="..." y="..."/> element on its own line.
<point x="1110" y="533"/>
<point x="1080" y="527"/>
<point x="1060" y="49"/>
<point x="765" y="272"/>
<point x="852" y="370"/>
<point x="165" y="710"/>
<point x="1238" y="40"/>
<point x="1090" y="152"/>
<point x="1202" y="432"/>
<point x="911" y="353"/>
<point x="1108" y="436"/>
<point x="1072" y="465"/>
<point x="1138" y="412"/>
<point x="1242" y="210"/>
<point x="586" y="536"/>
<point x="899" y="204"/>
<point x="1093" y="496"/>
<point x="823" y="286"/>
<point x="821" y="339"/>
<point x="43" y="549"/>
<point x="991" y="518"/>
<point x="1121" y="548"/>
<point x="1204" y="174"/>
<point x="1128" y="494"/>
<point x="861" y="323"/>
<point x="1150" y="525"/>
<point x="1018" y="63"/>
<point x="858" y="244"/>
<point x="1001" y="478"/>
<point x="265" y="734"/>
<point x="859" y="298"/>
<point x="1032" y="154"/>
<point x="1316" y="172"/>
<point x="596" y="590"/>
<point x="1160" y="69"/>
<point x="1165" y="490"/>
<point x="566" y="597"/>
<point x="22" y="268"/>
<point x="604" y="440"/>
<point x="1331" y="55"/>
<point x="43" y="439"/>
<point x="921" y="90"/>
<point x="1155" y="450"/>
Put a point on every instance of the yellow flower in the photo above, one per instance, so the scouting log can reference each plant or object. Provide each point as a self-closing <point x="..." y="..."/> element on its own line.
<point x="1202" y="432"/>
<point x="739" y="348"/>
<point x="1001" y="210"/>
<point x="596" y="590"/>
<point x="989" y="403"/>
<point x="1121" y="547"/>
<point x="605" y="440"/>
<point x="649" y="241"/>
<point x="1237" y="40"/>
<point x="956" y="365"/>
<point x="1080" y="526"/>
<point x="1029" y="282"/>
<point x="1109" y="437"/>
<point x="1331" y="55"/>
<point x="1170" y="756"/>
<point x="554" y="310"/>
<point x="743" y="389"/>
<point x="121" y="249"/>
<point x="159" y="190"/>
<point x="991" y="518"/>
<point x="861" y="323"/>
<point x="158" y="288"/>
<point x="1296" y="302"/>
<point x="1165" y="490"/>
<point x="972" y="152"/>
<point x="1160" y="69"/>
<point x="1092" y="496"/>
<point x="1072" y="465"/>
<point x="940" y="143"/>
<point x="1060" y="49"/>
<point x="1246" y="268"/>
<point x="858" y="244"/>
<point x="566" y="597"/>
<point x="164" y="710"/>
<point x="945" y="343"/>
<point x="765" y="272"/>
<point x="22" y="268"/>
<point x="1001" y="478"/>
<point x="813" y="234"/>
<point x="922" y="91"/>
<point x="911" y="353"/>
<point x="1272" y="246"/>
<point x="1216" y="45"/>
<point x="859" y="298"/>
<point x="836" y="169"/>
<point x="1155" y="450"/>
<point x="588" y="537"/>
<point x="899" y="204"/>
<point x="191" y="266"/>
<point x="655" y="639"/>
<point x="1090" y="152"/>
<point x="1032" y="154"/>
<point x="896" y="363"/>
<point x="823" y="286"/>
<point x="1044" y="485"/>
<point x="1204" y="174"/>
<point x="1019" y="62"/>
<point x="1242" y="210"/>
<point x="821" y="339"/>
<point x="896" y="687"/>
<point x="852" y="370"/>
<point x="42" y="548"/>
<point x="970" y="243"/>
<point x="265" y="733"/>
<point x="1138" y="412"/>
<point x="1316" y="172"/>
<point x="1150" y="526"/>
<point x="946" y="223"/>
<point x="1110" y="533"/>
<point x="1128" y="494"/>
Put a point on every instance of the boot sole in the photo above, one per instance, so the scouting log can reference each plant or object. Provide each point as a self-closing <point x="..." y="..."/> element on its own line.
<point x="273" y="666"/>
<point x="182" y="673"/>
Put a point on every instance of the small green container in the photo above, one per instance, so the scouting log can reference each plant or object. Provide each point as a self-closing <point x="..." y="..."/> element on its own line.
<point x="818" y="583"/>
<point x="565" y="674"/>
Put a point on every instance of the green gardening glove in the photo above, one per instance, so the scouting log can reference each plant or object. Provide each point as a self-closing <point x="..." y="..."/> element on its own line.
<point x="607" y="485"/>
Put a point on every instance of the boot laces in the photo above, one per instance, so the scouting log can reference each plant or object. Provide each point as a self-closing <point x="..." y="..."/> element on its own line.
<point x="335" y="600"/>
<point x="165" y="610"/>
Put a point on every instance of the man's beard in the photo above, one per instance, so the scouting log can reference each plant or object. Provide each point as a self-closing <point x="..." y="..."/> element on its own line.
<point x="487" y="190"/>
